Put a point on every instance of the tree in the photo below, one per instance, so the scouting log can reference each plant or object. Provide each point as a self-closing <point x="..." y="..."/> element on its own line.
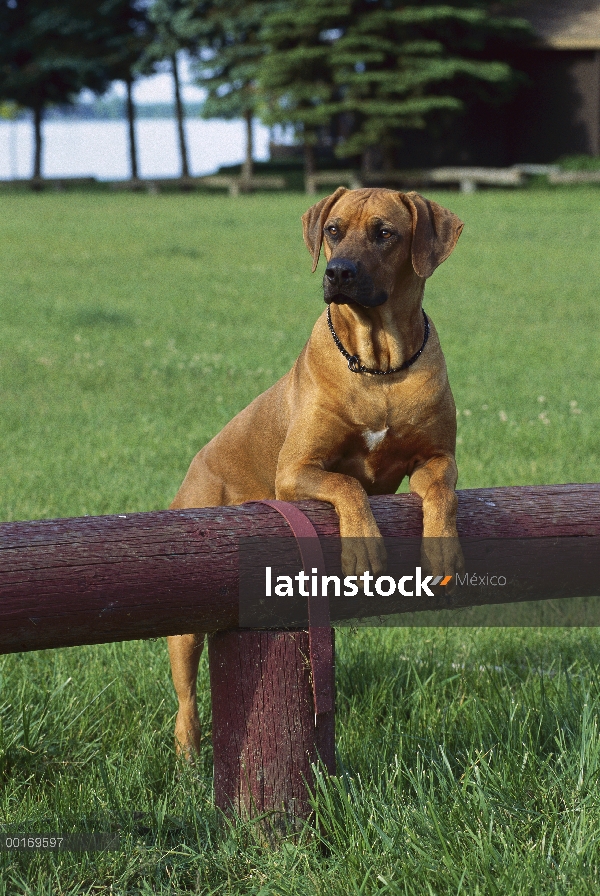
<point x="41" y="58"/>
<point x="122" y="34"/>
<point x="51" y="49"/>
<point x="383" y="66"/>
<point x="296" y="75"/>
<point x="229" y="47"/>
<point x="399" y="66"/>
<point x="172" y="34"/>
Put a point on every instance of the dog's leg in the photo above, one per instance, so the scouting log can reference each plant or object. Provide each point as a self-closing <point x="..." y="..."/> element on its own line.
<point x="184" y="653"/>
<point x="435" y="483"/>
<point x="362" y="545"/>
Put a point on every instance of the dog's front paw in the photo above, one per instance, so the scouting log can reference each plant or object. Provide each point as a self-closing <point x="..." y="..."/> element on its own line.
<point x="361" y="555"/>
<point x="443" y="556"/>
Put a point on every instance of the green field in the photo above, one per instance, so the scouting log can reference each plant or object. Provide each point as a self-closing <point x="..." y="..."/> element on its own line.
<point x="133" y="327"/>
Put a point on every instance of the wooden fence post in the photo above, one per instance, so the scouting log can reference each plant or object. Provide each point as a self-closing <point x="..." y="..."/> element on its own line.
<point x="265" y="732"/>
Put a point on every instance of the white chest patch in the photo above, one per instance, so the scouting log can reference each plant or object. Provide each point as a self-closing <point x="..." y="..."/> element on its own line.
<point x="373" y="439"/>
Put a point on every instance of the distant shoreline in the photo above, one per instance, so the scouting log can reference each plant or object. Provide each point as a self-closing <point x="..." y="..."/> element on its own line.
<point x="111" y="110"/>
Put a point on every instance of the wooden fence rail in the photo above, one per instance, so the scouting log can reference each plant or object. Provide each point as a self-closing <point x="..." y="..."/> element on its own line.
<point x="92" y="580"/>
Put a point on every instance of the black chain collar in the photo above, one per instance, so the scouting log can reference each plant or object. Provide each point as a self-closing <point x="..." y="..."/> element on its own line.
<point x="354" y="361"/>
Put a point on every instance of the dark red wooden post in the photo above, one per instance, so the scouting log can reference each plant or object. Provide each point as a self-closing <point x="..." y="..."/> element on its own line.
<point x="265" y="732"/>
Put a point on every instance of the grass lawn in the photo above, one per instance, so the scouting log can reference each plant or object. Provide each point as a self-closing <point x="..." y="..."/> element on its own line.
<point x="133" y="327"/>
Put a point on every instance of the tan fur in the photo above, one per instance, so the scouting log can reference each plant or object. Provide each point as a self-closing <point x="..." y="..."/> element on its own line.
<point x="311" y="435"/>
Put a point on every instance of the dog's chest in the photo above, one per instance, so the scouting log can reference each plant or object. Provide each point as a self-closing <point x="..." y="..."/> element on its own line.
<point x="374" y="438"/>
<point x="388" y="433"/>
<point x="373" y="456"/>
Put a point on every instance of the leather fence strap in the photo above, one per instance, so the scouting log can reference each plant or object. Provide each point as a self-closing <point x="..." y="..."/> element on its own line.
<point x="319" y="622"/>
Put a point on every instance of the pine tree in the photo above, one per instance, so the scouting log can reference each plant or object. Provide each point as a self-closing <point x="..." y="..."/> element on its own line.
<point x="51" y="49"/>
<point x="382" y="66"/>
<point x="228" y="50"/>
<point x="399" y="66"/>
<point x="296" y="75"/>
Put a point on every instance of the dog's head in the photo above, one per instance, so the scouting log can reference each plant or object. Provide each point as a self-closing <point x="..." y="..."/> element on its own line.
<point x="373" y="236"/>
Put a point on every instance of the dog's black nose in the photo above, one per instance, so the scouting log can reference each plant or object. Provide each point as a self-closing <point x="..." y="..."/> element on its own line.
<point x="341" y="271"/>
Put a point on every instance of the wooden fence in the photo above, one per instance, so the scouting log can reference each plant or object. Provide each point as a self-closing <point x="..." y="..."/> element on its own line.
<point x="100" y="579"/>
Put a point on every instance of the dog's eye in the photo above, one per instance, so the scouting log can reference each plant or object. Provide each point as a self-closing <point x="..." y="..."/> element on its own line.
<point x="332" y="230"/>
<point x="385" y="234"/>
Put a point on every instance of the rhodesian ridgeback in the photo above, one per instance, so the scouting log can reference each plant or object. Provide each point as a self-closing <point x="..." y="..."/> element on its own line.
<point x="366" y="403"/>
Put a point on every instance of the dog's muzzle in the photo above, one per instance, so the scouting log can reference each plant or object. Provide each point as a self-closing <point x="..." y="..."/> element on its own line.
<point x="345" y="281"/>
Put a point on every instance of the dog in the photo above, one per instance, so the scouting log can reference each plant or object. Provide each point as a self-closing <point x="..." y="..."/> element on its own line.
<point x="366" y="403"/>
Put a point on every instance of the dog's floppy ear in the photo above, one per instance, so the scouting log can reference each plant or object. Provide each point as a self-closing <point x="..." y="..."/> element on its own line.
<point x="435" y="232"/>
<point x="313" y="221"/>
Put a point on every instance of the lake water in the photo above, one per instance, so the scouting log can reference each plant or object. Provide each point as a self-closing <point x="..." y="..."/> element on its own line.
<point x="99" y="148"/>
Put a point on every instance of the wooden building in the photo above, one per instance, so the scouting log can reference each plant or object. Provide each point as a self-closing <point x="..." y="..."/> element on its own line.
<point x="556" y="111"/>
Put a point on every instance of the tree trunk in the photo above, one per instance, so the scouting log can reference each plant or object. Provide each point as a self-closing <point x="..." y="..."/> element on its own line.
<point x="310" y="184"/>
<point x="180" y="115"/>
<point x="388" y="158"/>
<point x="248" y="166"/>
<point x="310" y="163"/>
<point x="133" y="158"/>
<point x="38" y="114"/>
<point x="369" y="161"/>
<point x="265" y="732"/>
